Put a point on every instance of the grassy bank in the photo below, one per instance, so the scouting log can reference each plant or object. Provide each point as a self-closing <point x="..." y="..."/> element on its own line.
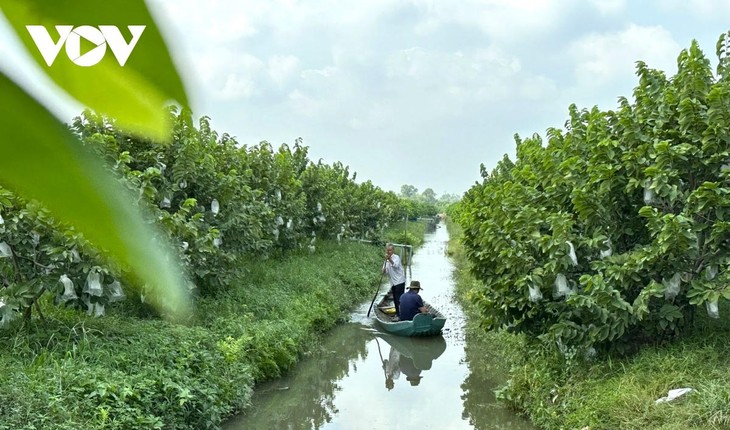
<point x="410" y="233"/>
<point x="122" y="371"/>
<point x="612" y="392"/>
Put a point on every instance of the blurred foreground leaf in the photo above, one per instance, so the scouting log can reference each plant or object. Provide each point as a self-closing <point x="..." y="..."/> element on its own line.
<point x="133" y="94"/>
<point x="41" y="159"/>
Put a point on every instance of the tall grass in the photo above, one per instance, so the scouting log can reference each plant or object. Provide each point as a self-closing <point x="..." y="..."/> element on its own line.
<point x="406" y="233"/>
<point x="122" y="371"/>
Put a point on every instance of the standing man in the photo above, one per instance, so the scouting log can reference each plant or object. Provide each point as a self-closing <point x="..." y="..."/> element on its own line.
<point x="394" y="268"/>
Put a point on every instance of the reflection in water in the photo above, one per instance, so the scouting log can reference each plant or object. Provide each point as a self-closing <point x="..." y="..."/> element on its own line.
<point x="362" y="378"/>
<point x="487" y="373"/>
<point x="304" y="399"/>
<point x="408" y="356"/>
<point x="391" y="366"/>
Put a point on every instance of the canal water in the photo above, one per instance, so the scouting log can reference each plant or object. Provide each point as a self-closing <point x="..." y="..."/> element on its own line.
<point x="362" y="378"/>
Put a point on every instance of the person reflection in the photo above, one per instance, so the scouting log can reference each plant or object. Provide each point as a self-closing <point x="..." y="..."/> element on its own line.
<point x="413" y="374"/>
<point x="391" y="366"/>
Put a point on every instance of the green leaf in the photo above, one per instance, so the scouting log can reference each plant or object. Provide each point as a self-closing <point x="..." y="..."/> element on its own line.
<point x="133" y="94"/>
<point x="670" y="312"/>
<point x="42" y="160"/>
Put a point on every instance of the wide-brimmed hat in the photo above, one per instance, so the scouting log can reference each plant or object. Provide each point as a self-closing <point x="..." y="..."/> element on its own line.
<point x="415" y="285"/>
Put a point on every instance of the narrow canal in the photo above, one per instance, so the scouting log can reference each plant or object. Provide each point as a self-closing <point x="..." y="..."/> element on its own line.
<point x="362" y="378"/>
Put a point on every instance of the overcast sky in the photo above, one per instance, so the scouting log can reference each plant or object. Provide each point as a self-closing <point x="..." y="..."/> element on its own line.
<point x="409" y="91"/>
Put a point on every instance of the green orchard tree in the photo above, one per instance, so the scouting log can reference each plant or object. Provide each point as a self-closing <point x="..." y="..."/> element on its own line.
<point x="615" y="230"/>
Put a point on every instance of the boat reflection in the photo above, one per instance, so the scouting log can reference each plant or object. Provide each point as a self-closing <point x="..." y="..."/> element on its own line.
<point x="407" y="356"/>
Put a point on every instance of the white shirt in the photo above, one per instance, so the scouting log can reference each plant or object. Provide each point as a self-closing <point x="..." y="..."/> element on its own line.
<point x="395" y="270"/>
<point x="392" y="364"/>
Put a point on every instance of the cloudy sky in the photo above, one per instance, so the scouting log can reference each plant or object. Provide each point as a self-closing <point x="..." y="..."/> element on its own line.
<point x="415" y="92"/>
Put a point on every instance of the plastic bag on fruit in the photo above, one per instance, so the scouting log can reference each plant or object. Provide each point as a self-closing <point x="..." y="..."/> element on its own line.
<point x="116" y="294"/>
<point x="571" y="253"/>
<point x="5" y="250"/>
<point x="93" y="283"/>
<point x="672" y="287"/>
<point x="69" y="291"/>
<point x="561" y="286"/>
<point x="535" y="293"/>
<point x="712" y="309"/>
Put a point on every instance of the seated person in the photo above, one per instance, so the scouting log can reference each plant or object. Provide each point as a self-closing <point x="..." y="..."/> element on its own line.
<point x="411" y="303"/>
<point x="413" y="374"/>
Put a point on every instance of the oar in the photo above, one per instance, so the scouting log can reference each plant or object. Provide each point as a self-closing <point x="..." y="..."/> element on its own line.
<point x="381" y="357"/>
<point x="377" y="288"/>
<point x="385" y="372"/>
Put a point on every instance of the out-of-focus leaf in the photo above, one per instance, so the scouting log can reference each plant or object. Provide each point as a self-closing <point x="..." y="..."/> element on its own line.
<point x="42" y="160"/>
<point x="133" y="94"/>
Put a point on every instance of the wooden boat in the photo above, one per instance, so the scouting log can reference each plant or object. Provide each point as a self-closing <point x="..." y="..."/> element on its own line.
<point x="422" y="325"/>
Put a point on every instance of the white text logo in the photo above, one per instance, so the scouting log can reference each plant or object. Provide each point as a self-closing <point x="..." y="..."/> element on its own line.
<point x="71" y="37"/>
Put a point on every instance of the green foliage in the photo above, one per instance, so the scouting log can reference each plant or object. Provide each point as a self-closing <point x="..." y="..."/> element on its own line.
<point x="65" y="178"/>
<point x="132" y="94"/>
<point x="418" y="206"/>
<point x="614" y="230"/>
<point x="46" y="170"/>
<point x="621" y="392"/>
<point x="408" y="191"/>
<point x="410" y="233"/>
<point x="609" y="392"/>
<point x="120" y="372"/>
<point x="221" y="204"/>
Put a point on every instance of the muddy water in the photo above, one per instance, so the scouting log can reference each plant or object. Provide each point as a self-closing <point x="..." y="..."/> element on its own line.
<point x="362" y="378"/>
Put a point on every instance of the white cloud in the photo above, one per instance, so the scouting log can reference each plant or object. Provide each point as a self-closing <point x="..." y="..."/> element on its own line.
<point x="430" y="76"/>
<point x="282" y="68"/>
<point x="537" y="88"/>
<point x="483" y="74"/>
<point x="236" y="87"/>
<point x="355" y="123"/>
<point x="304" y="105"/>
<point x="499" y="19"/>
<point x="607" y="58"/>
<point x="609" y="7"/>
<point x="215" y="23"/>
<point x="231" y="77"/>
<point x="323" y="93"/>
<point x="708" y="9"/>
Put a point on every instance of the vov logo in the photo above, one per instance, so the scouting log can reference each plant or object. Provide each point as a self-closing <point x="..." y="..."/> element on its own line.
<point x="71" y="37"/>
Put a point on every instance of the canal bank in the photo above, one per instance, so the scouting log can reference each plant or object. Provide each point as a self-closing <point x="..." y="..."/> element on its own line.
<point x="359" y="378"/>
